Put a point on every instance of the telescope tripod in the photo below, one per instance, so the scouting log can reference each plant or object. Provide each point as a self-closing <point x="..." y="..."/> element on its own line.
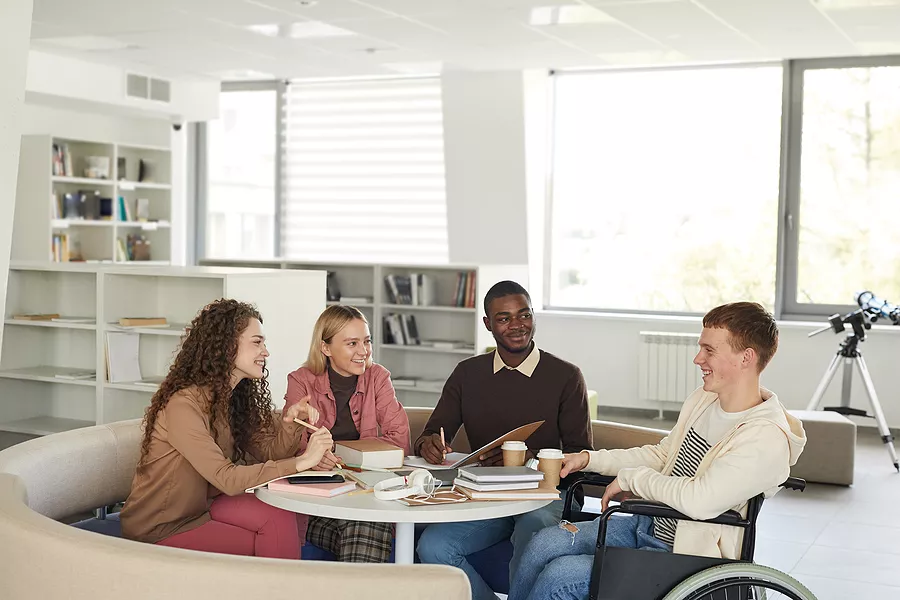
<point x="849" y="353"/>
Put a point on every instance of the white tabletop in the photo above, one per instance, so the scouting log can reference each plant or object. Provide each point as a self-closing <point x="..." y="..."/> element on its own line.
<point x="365" y="507"/>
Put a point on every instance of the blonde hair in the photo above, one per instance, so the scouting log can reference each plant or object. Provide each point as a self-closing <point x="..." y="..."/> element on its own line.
<point x="328" y="325"/>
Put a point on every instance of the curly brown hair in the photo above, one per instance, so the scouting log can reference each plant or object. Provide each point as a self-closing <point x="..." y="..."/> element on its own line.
<point x="206" y="359"/>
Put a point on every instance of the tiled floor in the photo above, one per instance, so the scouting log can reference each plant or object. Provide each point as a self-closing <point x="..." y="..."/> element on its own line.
<point x="841" y="542"/>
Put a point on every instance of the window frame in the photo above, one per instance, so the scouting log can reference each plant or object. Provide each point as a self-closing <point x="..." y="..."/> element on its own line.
<point x="788" y="216"/>
<point x="201" y="164"/>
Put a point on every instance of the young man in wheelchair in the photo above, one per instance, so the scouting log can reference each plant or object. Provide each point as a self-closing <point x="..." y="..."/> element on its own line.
<point x="733" y="440"/>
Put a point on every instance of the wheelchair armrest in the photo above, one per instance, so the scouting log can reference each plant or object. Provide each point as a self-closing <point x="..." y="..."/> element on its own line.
<point x="794" y="483"/>
<point x="658" y="509"/>
<point x="574" y="482"/>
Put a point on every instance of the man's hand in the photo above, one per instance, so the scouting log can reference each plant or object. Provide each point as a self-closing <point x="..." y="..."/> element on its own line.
<point x="572" y="463"/>
<point x="433" y="450"/>
<point x="491" y="458"/>
<point x="614" y="492"/>
<point x="303" y="411"/>
<point x="319" y="443"/>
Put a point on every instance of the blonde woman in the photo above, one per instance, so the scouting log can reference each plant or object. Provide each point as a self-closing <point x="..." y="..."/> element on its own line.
<point x="355" y="400"/>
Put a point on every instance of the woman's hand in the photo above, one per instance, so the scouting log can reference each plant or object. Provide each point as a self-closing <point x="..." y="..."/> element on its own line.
<point x="572" y="463"/>
<point x="319" y="443"/>
<point x="303" y="411"/>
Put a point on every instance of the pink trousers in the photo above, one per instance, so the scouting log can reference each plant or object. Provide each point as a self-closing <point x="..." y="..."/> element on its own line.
<point x="243" y="525"/>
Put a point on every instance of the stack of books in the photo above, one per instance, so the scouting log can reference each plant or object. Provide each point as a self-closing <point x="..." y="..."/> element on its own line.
<point x="503" y="483"/>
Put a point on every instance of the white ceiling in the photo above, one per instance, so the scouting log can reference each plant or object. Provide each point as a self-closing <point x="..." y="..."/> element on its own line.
<point x="182" y="38"/>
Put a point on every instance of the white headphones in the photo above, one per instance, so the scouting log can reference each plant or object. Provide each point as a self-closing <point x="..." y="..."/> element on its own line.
<point x="418" y="483"/>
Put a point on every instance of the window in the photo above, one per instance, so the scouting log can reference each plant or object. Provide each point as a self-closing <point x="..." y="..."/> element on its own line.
<point x="364" y="172"/>
<point x="665" y="188"/>
<point x="849" y="225"/>
<point x="241" y="150"/>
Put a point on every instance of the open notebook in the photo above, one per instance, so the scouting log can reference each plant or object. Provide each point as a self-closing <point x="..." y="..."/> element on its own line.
<point x="455" y="460"/>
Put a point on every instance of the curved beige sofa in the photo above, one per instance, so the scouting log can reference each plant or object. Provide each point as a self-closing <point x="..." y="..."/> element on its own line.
<point x="67" y="473"/>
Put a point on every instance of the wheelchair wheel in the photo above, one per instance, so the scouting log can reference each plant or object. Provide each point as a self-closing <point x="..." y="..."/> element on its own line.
<point x="740" y="581"/>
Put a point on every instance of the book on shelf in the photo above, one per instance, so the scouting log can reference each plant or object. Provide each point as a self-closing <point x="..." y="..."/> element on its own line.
<point x="355" y="300"/>
<point x="79" y="375"/>
<point x="370" y="453"/>
<point x="123" y="364"/>
<point x="36" y="316"/>
<point x="415" y="289"/>
<point x="332" y="287"/>
<point x="143" y="322"/>
<point x="400" y="329"/>
<point x="465" y="289"/>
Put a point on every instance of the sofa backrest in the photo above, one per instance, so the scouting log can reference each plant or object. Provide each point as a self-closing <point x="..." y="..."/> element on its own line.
<point x="76" y="471"/>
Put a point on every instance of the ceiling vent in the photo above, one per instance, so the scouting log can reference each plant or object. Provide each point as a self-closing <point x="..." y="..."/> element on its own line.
<point x="148" y="88"/>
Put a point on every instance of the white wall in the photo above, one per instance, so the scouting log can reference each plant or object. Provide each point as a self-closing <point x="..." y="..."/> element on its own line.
<point x="485" y="128"/>
<point x="93" y="125"/>
<point x="15" y="31"/>
<point x="484" y="157"/>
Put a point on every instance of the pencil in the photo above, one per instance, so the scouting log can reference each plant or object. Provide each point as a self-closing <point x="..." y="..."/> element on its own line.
<point x="305" y="424"/>
<point x="443" y="444"/>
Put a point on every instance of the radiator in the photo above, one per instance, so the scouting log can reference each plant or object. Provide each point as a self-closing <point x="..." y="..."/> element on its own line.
<point x="666" y="372"/>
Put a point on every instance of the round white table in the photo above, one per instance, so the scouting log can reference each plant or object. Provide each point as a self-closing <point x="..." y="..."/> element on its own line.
<point x="365" y="507"/>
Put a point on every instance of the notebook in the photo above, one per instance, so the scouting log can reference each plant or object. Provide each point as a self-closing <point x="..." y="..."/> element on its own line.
<point x="500" y="474"/>
<point x="454" y="460"/>
<point x="327" y="490"/>
<point x="371" y="453"/>
<point x="538" y="494"/>
<point x="495" y="487"/>
<point x="250" y="490"/>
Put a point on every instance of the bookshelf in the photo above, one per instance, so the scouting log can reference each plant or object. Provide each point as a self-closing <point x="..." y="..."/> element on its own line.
<point x="418" y="371"/>
<point x="48" y="369"/>
<point x="67" y="209"/>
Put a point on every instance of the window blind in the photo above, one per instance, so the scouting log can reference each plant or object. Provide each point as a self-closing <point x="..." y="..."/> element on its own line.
<point x="363" y="172"/>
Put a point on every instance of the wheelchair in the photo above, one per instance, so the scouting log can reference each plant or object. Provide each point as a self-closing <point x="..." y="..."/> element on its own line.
<point x="628" y="574"/>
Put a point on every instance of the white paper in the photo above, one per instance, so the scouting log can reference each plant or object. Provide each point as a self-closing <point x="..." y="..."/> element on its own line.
<point x="123" y="357"/>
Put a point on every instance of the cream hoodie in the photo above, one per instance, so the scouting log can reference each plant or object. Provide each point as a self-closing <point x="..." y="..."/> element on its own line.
<point x="754" y="457"/>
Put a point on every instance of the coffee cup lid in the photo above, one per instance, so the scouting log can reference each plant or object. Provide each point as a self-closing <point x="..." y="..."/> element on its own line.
<point x="550" y="453"/>
<point x="510" y="445"/>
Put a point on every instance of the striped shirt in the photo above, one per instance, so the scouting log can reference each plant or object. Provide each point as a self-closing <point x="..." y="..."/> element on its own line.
<point x="704" y="433"/>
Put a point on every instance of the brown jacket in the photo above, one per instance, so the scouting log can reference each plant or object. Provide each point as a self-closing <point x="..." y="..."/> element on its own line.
<point x="186" y="468"/>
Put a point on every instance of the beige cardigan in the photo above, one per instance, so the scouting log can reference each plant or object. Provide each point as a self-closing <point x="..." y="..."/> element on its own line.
<point x="754" y="457"/>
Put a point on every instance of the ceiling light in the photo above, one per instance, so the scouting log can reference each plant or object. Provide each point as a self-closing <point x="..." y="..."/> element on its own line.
<point x="569" y="14"/>
<point x="304" y="29"/>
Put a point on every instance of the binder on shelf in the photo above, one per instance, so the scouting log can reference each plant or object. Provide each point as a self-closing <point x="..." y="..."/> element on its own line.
<point x="123" y="363"/>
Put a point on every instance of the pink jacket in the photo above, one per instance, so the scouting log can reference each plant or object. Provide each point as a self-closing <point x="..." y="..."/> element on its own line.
<point x="374" y="406"/>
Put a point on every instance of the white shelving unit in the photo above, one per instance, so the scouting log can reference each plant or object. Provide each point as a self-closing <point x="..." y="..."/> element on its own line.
<point x="37" y="222"/>
<point x="428" y="366"/>
<point x="41" y="361"/>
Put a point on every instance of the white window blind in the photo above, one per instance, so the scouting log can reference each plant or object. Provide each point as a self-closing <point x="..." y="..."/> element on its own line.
<point x="363" y="172"/>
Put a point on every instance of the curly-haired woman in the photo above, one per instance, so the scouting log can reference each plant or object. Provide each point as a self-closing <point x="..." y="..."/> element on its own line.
<point x="356" y="400"/>
<point x="209" y="434"/>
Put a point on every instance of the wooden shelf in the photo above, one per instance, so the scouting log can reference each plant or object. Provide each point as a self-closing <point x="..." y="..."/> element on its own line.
<point x="356" y="304"/>
<point x="44" y="425"/>
<point x="66" y="223"/>
<point x="82" y="180"/>
<point x="172" y="329"/>
<point x="52" y="324"/>
<point x="48" y="374"/>
<point x="410" y="348"/>
<point x="446" y="309"/>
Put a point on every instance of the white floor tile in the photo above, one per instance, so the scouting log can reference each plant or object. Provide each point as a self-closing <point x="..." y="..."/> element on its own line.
<point x="852" y="565"/>
<point x="854" y="536"/>
<point x="837" y="589"/>
<point x="778" y="554"/>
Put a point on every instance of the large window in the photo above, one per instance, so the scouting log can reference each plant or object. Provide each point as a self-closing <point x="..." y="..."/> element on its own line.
<point x="241" y="151"/>
<point x="665" y="188"/>
<point x="849" y="222"/>
<point x="364" y="172"/>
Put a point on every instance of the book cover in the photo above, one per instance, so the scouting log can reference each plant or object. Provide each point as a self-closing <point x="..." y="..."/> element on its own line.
<point x="500" y="474"/>
<point x="495" y="487"/>
<point x="327" y="490"/>
<point x="371" y="453"/>
<point x="538" y="494"/>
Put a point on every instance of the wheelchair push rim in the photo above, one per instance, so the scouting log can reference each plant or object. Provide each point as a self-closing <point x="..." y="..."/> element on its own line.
<point x="739" y="576"/>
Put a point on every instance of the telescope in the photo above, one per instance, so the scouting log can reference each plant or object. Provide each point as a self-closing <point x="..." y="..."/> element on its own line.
<point x="871" y="308"/>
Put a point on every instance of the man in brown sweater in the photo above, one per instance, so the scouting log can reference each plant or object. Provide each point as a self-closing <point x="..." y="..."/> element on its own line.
<point x="492" y="394"/>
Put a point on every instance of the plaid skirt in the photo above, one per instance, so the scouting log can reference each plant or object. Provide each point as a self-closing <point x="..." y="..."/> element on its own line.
<point x="352" y="541"/>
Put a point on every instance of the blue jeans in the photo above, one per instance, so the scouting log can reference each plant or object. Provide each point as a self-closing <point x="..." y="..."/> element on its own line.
<point x="557" y="565"/>
<point x="450" y="543"/>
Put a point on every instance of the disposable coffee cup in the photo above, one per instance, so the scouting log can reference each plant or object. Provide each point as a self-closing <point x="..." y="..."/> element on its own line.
<point x="513" y="454"/>
<point x="550" y="463"/>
